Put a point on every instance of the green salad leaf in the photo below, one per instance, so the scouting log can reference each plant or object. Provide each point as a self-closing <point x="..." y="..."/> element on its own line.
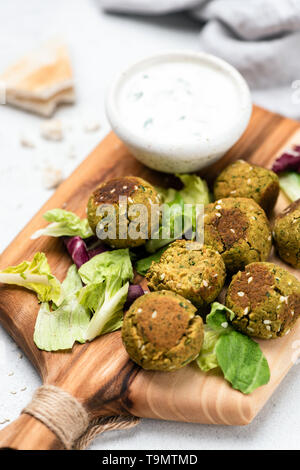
<point x="194" y="191"/>
<point x="242" y="362"/>
<point x="36" y="276"/>
<point x="109" y="263"/>
<point x="109" y="313"/>
<point x="72" y="282"/>
<point x="64" y="223"/>
<point x="144" y="264"/>
<point x="207" y="358"/>
<point x="60" y="327"/>
<point x="239" y="357"/>
<point x="290" y="184"/>
<point x="106" y="276"/>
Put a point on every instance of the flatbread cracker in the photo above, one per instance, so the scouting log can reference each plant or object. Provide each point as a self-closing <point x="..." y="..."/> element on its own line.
<point x="40" y="80"/>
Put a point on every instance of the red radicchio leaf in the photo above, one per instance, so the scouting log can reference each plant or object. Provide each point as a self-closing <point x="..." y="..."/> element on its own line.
<point x="77" y="250"/>
<point x="288" y="161"/>
<point x="134" y="291"/>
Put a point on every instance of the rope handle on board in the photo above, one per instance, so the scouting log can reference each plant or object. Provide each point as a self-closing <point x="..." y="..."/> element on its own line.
<point x="69" y="420"/>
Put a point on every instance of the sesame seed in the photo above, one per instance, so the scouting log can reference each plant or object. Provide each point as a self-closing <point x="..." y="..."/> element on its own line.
<point x="253" y="217"/>
<point x="250" y="279"/>
<point x="241" y="294"/>
<point x="282" y="298"/>
<point x="233" y="192"/>
<point x="219" y="201"/>
<point x="218" y="214"/>
<point x="246" y="310"/>
<point x="23" y="389"/>
<point x="136" y="187"/>
<point x="250" y="329"/>
<point x="178" y="285"/>
<point x="269" y="238"/>
<point x="292" y="312"/>
<point x="294" y="221"/>
<point x="130" y="200"/>
<point x="215" y="275"/>
<point x="232" y="230"/>
<point x="268" y="327"/>
<point x="10" y="374"/>
<point x="218" y="207"/>
<point x="205" y="283"/>
<point x="162" y="276"/>
<point x="124" y="187"/>
<point x="224" y="324"/>
<point x="248" y="180"/>
<point x="154" y="314"/>
<point x="139" y="310"/>
<point x="267" y="322"/>
<point x="113" y="190"/>
<point x="287" y="332"/>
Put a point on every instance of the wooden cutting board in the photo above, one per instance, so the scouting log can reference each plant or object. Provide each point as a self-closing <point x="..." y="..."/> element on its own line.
<point x="100" y="374"/>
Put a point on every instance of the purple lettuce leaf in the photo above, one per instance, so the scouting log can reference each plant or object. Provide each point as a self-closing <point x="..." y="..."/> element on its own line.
<point x="134" y="291"/>
<point x="288" y="161"/>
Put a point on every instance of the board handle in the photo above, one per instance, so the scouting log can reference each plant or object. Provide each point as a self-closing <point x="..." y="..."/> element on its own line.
<point x="27" y="433"/>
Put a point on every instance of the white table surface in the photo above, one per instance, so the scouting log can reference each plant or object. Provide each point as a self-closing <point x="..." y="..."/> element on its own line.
<point x="100" y="45"/>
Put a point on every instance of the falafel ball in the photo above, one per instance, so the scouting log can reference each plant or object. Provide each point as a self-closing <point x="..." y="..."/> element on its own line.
<point x="194" y="271"/>
<point x="239" y="230"/>
<point x="287" y="234"/>
<point x="137" y="191"/>
<point x="241" y="179"/>
<point x="161" y="331"/>
<point x="265" y="299"/>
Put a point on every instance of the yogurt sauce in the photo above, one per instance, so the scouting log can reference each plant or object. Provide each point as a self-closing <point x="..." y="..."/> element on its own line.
<point x="179" y="102"/>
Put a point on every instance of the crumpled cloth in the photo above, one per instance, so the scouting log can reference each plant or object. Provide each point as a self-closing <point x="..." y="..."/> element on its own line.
<point x="261" y="38"/>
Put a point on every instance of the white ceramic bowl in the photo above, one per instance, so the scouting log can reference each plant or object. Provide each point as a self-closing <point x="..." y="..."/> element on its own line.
<point x="182" y="156"/>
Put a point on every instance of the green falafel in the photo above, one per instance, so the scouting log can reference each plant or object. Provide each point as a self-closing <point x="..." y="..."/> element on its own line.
<point x="265" y="299"/>
<point x="161" y="331"/>
<point x="241" y="179"/>
<point x="287" y="234"/>
<point x="239" y="230"/>
<point x="194" y="271"/>
<point x="137" y="191"/>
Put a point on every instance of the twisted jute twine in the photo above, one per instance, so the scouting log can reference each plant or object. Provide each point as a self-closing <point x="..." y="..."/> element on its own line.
<point x="69" y="420"/>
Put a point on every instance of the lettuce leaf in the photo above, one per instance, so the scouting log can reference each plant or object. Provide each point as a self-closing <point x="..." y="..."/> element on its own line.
<point x="64" y="223"/>
<point x="144" y="264"/>
<point x="109" y="313"/>
<point x="107" y="264"/>
<point x="290" y="185"/>
<point x="207" y="358"/>
<point x="106" y="276"/>
<point x="72" y="282"/>
<point x="239" y="357"/>
<point x="59" y="329"/>
<point x="242" y="362"/>
<point x="36" y="276"/>
<point x="194" y="191"/>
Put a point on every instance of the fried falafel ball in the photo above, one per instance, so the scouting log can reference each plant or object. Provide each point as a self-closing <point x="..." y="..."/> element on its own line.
<point x="239" y="230"/>
<point x="241" y="179"/>
<point x="287" y="234"/>
<point x="137" y="191"/>
<point x="265" y="299"/>
<point x="194" y="271"/>
<point x="161" y="331"/>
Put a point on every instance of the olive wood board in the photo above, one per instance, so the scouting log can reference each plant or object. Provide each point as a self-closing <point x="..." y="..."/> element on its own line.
<point x="100" y="374"/>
